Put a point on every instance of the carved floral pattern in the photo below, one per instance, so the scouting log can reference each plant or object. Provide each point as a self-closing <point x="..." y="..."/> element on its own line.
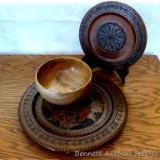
<point x="71" y="116"/>
<point x="111" y="37"/>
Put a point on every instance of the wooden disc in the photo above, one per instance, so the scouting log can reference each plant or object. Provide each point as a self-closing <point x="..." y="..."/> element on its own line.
<point x="78" y="127"/>
<point x="114" y="34"/>
<point x="78" y="119"/>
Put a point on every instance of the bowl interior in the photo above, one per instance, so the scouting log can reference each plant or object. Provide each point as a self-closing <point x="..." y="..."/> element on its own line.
<point x="61" y="75"/>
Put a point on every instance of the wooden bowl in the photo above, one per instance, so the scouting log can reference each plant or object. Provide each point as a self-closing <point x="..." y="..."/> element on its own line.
<point x="63" y="80"/>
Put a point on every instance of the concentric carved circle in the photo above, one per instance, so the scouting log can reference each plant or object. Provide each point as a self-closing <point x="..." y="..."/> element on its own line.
<point x="101" y="44"/>
<point x="111" y="37"/>
<point x="90" y="124"/>
<point x="77" y="119"/>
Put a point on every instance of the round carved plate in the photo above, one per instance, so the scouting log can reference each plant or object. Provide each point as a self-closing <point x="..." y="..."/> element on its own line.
<point x="113" y="33"/>
<point x="78" y="127"/>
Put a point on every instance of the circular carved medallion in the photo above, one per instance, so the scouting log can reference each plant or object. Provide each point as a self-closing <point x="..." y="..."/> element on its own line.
<point x="113" y="34"/>
<point x="77" y="119"/>
<point x="111" y="37"/>
<point x="79" y="127"/>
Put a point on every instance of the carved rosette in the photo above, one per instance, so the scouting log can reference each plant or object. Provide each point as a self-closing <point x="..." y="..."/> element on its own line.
<point x="111" y="37"/>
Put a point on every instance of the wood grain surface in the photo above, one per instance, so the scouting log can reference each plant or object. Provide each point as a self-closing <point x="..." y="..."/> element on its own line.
<point x="139" y="139"/>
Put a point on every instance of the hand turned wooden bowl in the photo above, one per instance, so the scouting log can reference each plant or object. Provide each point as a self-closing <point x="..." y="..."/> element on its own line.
<point x="63" y="80"/>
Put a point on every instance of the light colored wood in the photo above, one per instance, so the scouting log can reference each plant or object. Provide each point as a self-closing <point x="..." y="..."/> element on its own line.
<point x="139" y="137"/>
<point x="63" y="80"/>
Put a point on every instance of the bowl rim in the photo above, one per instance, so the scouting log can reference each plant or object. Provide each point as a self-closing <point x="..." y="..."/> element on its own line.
<point x="59" y="92"/>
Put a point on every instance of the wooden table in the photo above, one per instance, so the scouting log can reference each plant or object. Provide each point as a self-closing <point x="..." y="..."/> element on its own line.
<point x="140" y="137"/>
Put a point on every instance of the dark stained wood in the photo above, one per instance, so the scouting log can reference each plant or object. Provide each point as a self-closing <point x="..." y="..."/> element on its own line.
<point x="114" y="34"/>
<point x="140" y="133"/>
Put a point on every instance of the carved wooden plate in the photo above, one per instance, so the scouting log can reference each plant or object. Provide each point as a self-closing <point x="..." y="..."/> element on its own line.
<point x="114" y="34"/>
<point x="79" y="127"/>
